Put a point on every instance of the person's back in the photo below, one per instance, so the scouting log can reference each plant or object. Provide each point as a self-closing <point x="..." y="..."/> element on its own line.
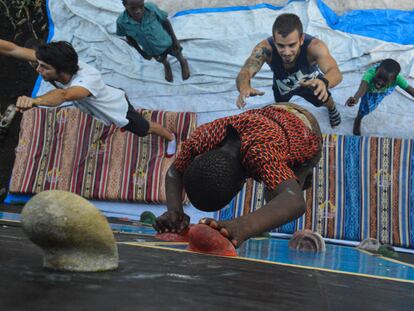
<point x="278" y="145"/>
<point x="107" y="103"/>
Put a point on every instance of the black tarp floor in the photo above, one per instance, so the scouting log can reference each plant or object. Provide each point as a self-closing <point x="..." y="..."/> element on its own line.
<point x="154" y="278"/>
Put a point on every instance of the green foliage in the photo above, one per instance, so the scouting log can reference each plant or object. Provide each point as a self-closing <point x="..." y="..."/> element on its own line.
<point x="25" y="18"/>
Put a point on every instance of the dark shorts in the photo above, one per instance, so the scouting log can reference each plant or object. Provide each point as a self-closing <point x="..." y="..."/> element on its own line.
<point x="303" y="92"/>
<point x="137" y="123"/>
<point x="169" y="51"/>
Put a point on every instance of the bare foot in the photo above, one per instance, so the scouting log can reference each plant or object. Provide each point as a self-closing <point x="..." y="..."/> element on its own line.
<point x="231" y="229"/>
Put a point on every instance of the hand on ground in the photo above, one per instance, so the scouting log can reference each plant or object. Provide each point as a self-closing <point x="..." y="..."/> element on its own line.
<point x="225" y="228"/>
<point x="171" y="222"/>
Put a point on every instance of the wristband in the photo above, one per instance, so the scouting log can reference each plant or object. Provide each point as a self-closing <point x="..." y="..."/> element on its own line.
<point x="324" y="80"/>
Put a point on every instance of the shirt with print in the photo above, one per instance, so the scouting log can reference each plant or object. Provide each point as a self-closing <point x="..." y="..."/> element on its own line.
<point x="150" y="34"/>
<point x="370" y="74"/>
<point x="106" y="103"/>
<point x="273" y="141"/>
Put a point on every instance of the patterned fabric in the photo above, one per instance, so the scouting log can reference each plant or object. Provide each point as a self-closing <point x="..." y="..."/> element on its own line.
<point x="273" y="140"/>
<point x="362" y="187"/>
<point x="370" y="101"/>
<point x="67" y="149"/>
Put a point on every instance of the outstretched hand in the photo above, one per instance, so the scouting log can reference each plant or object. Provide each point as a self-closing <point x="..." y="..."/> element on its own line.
<point x="351" y="101"/>
<point x="319" y="88"/>
<point x="244" y="93"/>
<point x="24" y="103"/>
<point x="172" y="222"/>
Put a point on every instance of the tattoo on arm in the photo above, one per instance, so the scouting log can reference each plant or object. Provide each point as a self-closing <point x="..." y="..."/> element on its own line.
<point x="256" y="60"/>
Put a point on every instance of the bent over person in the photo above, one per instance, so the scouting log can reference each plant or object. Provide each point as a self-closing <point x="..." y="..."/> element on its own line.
<point x="278" y="145"/>
<point x="301" y="65"/>
<point x="57" y="63"/>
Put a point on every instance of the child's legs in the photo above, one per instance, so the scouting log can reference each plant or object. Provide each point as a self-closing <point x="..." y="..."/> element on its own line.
<point x="185" y="70"/>
<point x="357" y="125"/>
<point x="369" y="102"/>
<point x="167" y="68"/>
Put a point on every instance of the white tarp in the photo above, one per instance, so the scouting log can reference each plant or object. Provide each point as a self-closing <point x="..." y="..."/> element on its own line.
<point x="216" y="45"/>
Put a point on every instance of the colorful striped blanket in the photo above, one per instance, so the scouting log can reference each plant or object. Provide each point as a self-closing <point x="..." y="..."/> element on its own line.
<point x="363" y="187"/>
<point x="67" y="149"/>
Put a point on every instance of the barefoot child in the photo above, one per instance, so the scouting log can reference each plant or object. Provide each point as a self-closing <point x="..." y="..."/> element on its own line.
<point x="278" y="145"/>
<point x="378" y="82"/>
<point x="149" y="31"/>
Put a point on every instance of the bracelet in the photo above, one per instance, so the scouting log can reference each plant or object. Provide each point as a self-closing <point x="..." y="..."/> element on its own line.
<point x="324" y="80"/>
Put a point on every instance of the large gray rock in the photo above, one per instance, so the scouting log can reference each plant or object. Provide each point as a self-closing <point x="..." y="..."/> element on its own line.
<point x="72" y="232"/>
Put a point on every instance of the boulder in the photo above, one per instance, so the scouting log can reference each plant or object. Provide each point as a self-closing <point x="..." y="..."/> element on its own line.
<point x="73" y="233"/>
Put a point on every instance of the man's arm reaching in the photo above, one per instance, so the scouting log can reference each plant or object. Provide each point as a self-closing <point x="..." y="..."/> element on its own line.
<point x="318" y="52"/>
<point x="260" y="54"/>
<point x="8" y="48"/>
<point x="53" y="98"/>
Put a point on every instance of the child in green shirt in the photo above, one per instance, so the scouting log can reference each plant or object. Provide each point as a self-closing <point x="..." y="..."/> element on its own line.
<point x="149" y="31"/>
<point x="378" y="82"/>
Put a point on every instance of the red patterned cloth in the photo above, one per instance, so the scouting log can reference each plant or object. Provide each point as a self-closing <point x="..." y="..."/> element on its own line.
<point x="273" y="141"/>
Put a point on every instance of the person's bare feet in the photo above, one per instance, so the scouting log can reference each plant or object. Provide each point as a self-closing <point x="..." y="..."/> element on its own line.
<point x="231" y="229"/>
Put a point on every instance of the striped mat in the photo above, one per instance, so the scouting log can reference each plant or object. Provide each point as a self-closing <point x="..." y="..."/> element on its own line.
<point x="363" y="187"/>
<point x="69" y="150"/>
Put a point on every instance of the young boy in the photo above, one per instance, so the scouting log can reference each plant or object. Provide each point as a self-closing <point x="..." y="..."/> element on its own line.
<point x="378" y="82"/>
<point x="278" y="145"/>
<point x="149" y="31"/>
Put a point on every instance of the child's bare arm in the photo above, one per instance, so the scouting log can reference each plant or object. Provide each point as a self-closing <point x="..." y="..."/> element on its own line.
<point x="353" y="100"/>
<point x="410" y="90"/>
<point x="168" y="27"/>
<point x="135" y="45"/>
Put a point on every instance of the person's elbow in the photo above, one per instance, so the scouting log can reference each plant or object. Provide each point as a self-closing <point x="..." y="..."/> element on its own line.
<point x="298" y="206"/>
<point x="340" y="76"/>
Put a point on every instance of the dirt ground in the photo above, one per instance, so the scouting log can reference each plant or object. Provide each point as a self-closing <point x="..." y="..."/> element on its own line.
<point x="16" y="78"/>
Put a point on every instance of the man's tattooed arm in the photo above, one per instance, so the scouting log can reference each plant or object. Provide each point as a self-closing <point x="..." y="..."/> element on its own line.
<point x="253" y="64"/>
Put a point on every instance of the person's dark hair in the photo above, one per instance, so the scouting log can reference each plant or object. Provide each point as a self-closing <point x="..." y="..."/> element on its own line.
<point x="390" y="66"/>
<point x="213" y="179"/>
<point x="286" y="23"/>
<point x="61" y="55"/>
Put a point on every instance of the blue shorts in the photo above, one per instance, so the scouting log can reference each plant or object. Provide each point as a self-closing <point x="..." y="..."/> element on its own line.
<point x="370" y="101"/>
